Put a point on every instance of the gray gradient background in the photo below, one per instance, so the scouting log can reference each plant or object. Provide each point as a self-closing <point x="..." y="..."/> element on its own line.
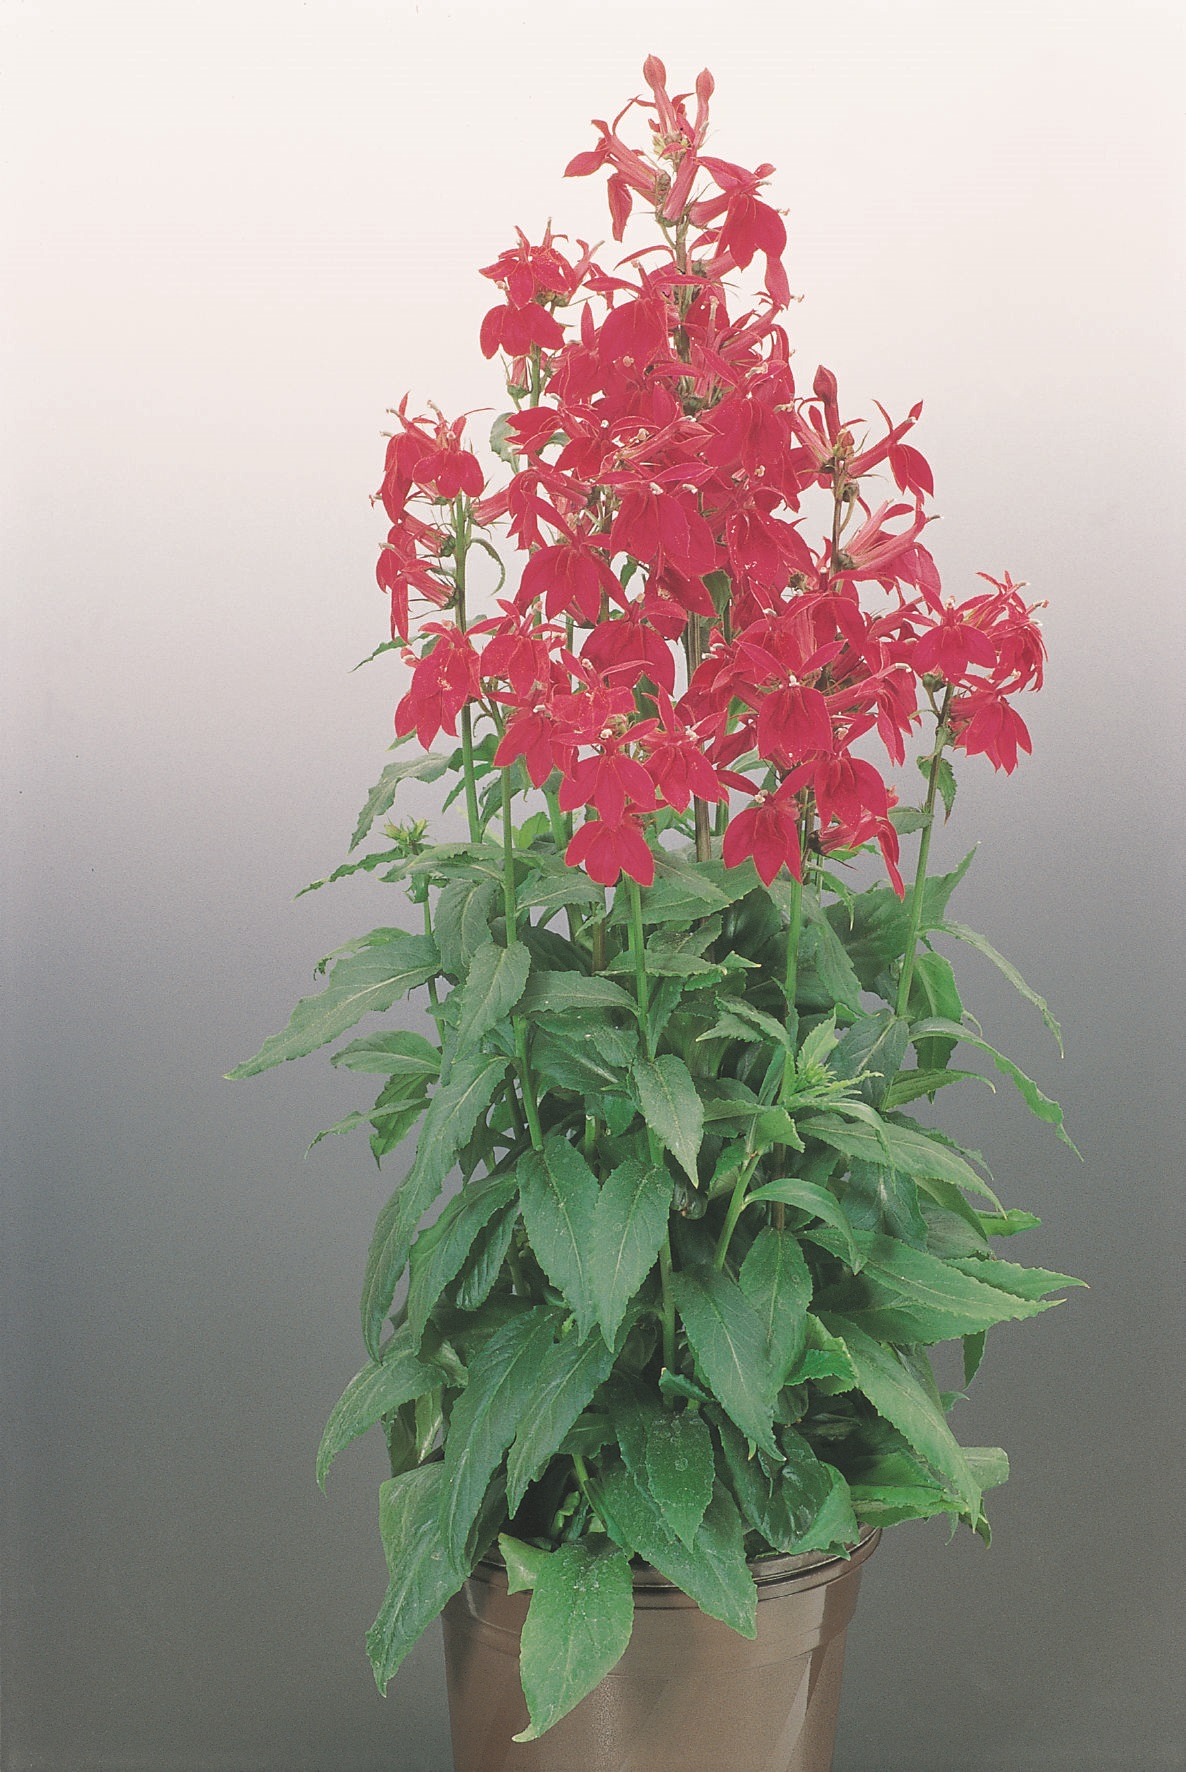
<point x="241" y="231"/>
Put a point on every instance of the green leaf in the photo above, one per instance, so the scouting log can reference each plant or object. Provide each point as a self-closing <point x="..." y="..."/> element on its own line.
<point x="878" y="1198"/>
<point x="361" y="983"/>
<point x="933" y="992"/>
<point x="1039" y="1105"/>
<point x="558" y="1191"/>
<point x="461" y="921"/>
<point x="713" y="1571"/>
<point x="907" y="1296"/>
<point x="577" y="1627"/>
<point x="779" y="1501"/>
<point x="904" y="1147"/>
<point x="809" y="1197"/>
<point x="549" y="890"/>
<point x="680" y="1470"/>
<point x="911" y="1085"/>
<point x="492" y="987"/>
<point x="672" y="1109"/>
<point x="1022" y="1282"/>
<point x="523" y="1561"/>
<point x="395" y="1053"/>
<point x="452" y="1115"/>
<point x="728" y="1339"/>
<point x="571" y="993"/>
<point x="378" y="801"/>
<point x="629" y="1224"/>
<point x="835" y="1526"/>
<point x="681" y="894"/>
<point x="575" y="1052"/>
<point x="439" y="1252"/>
<point x="739" y="1020"/>
<point x="487" y="1416"/>
<point x="905" y="1403"/>
<point x="983" y="946"/>
<point x="874" y="1045"/>
<point x="821" y="949"/>
<point x="422" y="1574"/>
<point x="396" y="1377"/>
<point x="777" y="1284"/>
<point x="563" y="1386"/>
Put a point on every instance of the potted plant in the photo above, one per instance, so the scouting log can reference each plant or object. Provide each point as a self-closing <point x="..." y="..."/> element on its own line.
<point x="664" y="1353"/>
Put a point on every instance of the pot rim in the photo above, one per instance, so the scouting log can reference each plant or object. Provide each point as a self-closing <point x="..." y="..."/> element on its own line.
<point x="768" y="1570"/>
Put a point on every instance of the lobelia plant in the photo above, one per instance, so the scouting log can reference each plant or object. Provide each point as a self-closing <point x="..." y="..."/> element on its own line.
<point x="681" y="1307"/>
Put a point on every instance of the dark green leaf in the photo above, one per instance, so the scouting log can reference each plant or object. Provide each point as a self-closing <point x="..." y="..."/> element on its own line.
<point x="713" y="1572"/>
<point x="396" y="1053"/>
<point x="569" y="1373"/>
<point x="875" y="1045"/>
<point x="775" y="1280"/>
<point x="487" y="1416"/>
<point x="933" y="991"/>
<point x="1039" y="1105"/>
<point x="1022" y="1282"/>
<point x="492" y="986"/>
<point x="904" y="1402"/>
<point x="629" y="1224"/>
<point x="905" y="1147"/>
<point x="568" y="993"/>
<point x="372" y="979"/>
<point x="669" y="1104"/>
<point x="728" y="1339"/>
<point x="398" y="1376"/>
<point x="577" y="1053"/>
<point x="558" y="1192"/>
<point x="577" y="1627"/>
<point x="821" y="949"/>
<point x="962" y="933"/>
<point x="422" y="1574"/>
<point x="878" y="1198"/>
<point x="438" y="1252"/>
<point x="817" y="1202"/>
<point x="907" y="1296"/>
<point x="452" y="1115"/>
<point x="680" y="1470"/>
<point x="461" y="922"/>
<point x="485" y="1261"/>
<point x="378" y="801"/>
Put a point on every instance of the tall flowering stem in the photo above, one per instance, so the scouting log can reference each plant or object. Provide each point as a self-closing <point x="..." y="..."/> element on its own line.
<point x="918" y="890"/>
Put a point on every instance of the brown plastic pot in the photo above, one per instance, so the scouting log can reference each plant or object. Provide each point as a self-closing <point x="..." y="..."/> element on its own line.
<point x="689" y="1695"/>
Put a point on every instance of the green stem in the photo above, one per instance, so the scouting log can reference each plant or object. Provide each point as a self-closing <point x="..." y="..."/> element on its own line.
<point x="906" y="977"/>
<point x="655" y="1150"/>
<point x="737" y="1204"/>
<point x="522" y="1062"/>
<point x="791" y="986"/>
<point x="461" y="548"/>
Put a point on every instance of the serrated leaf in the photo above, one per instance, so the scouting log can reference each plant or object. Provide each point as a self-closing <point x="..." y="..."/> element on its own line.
<point x="904" y="1402"/>
<point x="874" y="1045"/>
<point x="452" y="1115"/>
<point x="629" y="1224"/>
<point x="491" y="988"/>
<point x="575" y="1052"/>
<point x="878" y="1198"/>
<point x="779" y="1502"/>
<point x="439" y="1252"/>
<point x="360" y="984"/>
<point x="907" y="1296"/>
<point x="563" y="1386"/>
<point x="1039" y="1105"/>
<point x="904" y="1147"/>
<point x="961" y="932"/>
<point x="713" y="1571"/>
<point x="487" y="1416"/>
<point x="680" y="1470"/>
<point x="672" y="1109"/>
<point x="378" y="801"/>
<point x="547" y="890"/>
<point x="1008" y="1276"/>
<point x="910" y="1086"/>
<point x="398" y="1376"/>
<point x="558" y="1193"/>
<point x="422" y="1574"/>
<point x="777" y="1284"/>
<point x="569" y="993"/>
<point x="461" y="921"/>
<point x="728" y="1339"/>
<point x="809" y="1197"/>
<point x="933" y="992"/>
<point x="577" y="1628"/>
<point x="822" y="949"/>
<point x="396" y="1052"/>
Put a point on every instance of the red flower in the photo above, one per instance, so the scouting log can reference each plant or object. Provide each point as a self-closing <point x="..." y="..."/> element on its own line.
<point x="985" y="723"/>
<point x="954" y="645"/>
<point x="606" y="849"/>
<point x="769" y="831"/>
<point x="443" y="681"/>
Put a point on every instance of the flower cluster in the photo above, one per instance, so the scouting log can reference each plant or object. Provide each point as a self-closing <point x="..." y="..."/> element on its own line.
<point x="716" y="603"/>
